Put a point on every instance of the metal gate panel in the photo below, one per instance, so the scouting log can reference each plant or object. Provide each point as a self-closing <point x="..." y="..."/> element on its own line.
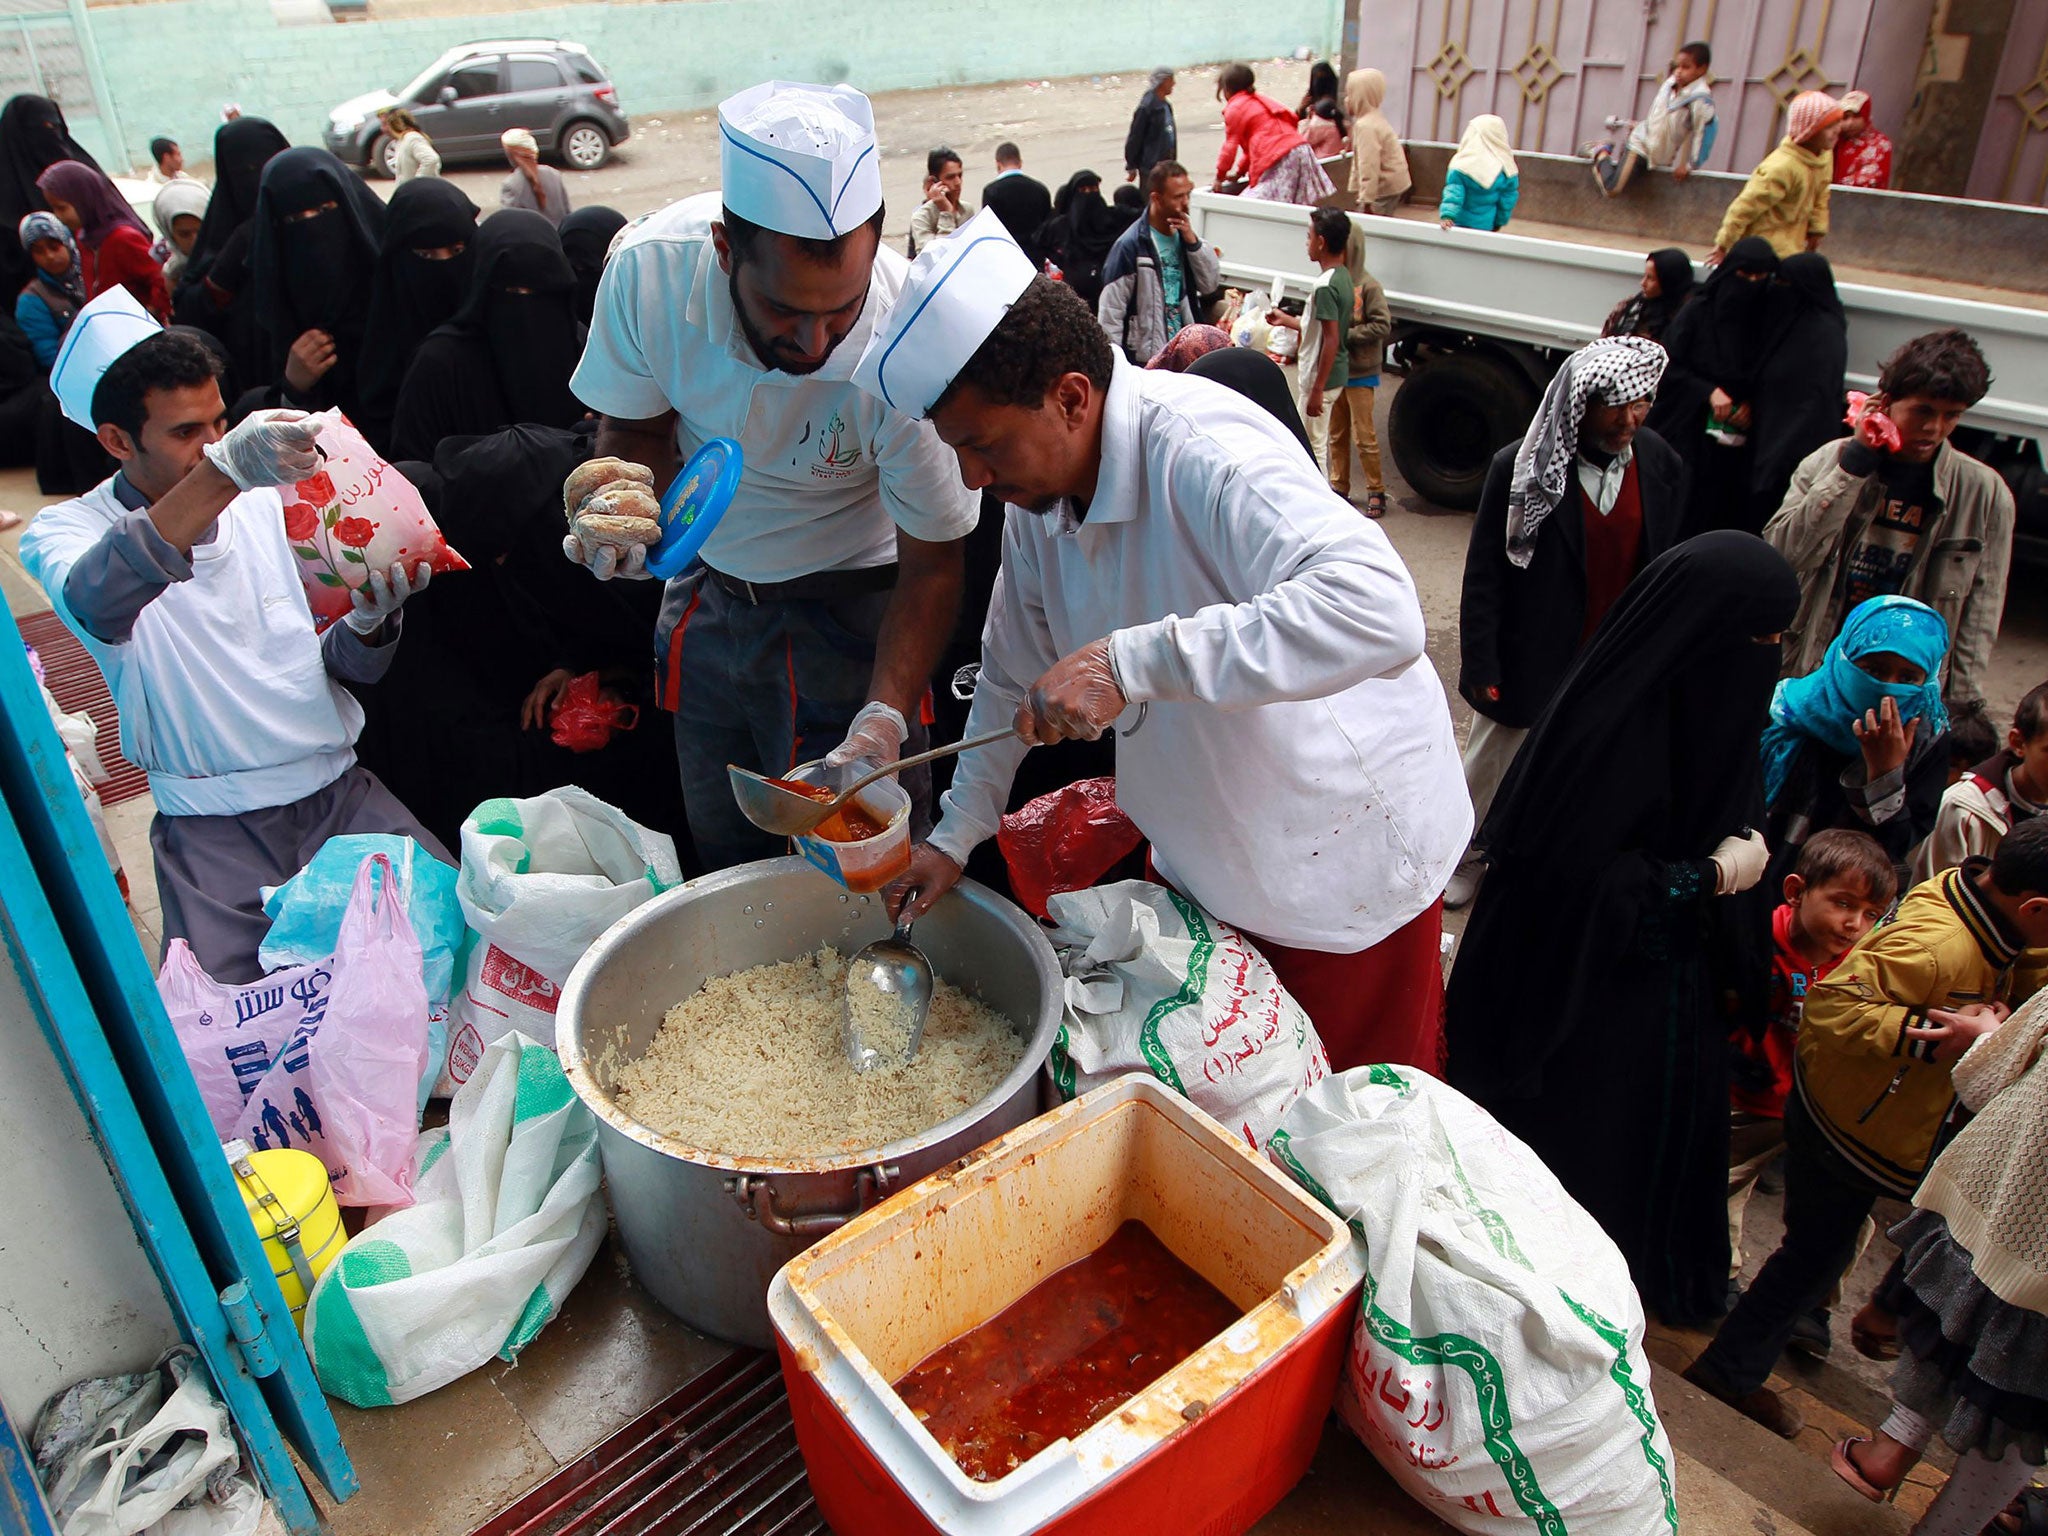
<point x="2012" y="153"/>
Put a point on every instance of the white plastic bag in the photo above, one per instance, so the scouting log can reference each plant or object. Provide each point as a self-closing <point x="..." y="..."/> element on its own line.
<point x="150" y="1453"/>
<point x="326" y="1058"/>
<point x="1497" y="1368"/>
<point x="506" y="1219"/>
<point x="541" y="879"/>
<point x="1155" y="984"/>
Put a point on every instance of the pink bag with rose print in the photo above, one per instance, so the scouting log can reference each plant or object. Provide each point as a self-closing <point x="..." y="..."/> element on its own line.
<point x="357" y="515"/>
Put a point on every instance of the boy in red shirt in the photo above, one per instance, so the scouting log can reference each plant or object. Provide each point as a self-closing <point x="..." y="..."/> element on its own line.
<point x="1843" y="883"/>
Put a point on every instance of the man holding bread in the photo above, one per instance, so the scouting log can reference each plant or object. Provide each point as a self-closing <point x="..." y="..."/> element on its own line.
<point x="823" y="599"/>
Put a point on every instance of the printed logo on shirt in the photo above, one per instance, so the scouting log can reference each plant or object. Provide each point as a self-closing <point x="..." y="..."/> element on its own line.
<point x="838" y="450"/>
<point x="1882" y="557"/>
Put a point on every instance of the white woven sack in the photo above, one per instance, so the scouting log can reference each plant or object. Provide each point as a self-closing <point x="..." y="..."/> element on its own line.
<point x="1497" y="1367"/>
<point x="1155" y="984"/>
<point x="505" y="1220"/>
<point x="541" y="879"/>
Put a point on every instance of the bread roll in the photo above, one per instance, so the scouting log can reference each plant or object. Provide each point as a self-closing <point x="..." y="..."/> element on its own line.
<point x="620" y="532"/>
<point x="586" y="478"/>
<point x="623" y="498"/>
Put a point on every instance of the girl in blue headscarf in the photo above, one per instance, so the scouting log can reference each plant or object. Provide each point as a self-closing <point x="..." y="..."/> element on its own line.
<point x="1861" y="741"/>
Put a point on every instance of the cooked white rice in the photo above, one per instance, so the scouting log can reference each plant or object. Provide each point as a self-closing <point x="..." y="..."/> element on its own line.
<point x="752" y="1067"/>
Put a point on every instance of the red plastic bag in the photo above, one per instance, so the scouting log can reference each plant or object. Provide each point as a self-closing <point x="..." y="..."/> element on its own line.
<point x="584" y="719"/>
<point x="1065" y="841"/>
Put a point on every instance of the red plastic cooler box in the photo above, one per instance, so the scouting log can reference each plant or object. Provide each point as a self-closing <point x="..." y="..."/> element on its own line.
<point x="1204" y="1451"/>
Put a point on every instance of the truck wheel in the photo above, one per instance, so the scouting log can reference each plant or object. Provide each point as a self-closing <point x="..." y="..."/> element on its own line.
<point x="1449" y="417"/>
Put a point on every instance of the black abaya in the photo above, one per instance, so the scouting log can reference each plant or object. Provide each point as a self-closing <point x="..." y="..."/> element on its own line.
<point x="1585" y="1008"/>
<point x="587" y="236"/>
<point x="412" y="294"/>
<point x="311" y="268"/>
<point x="1718" y="341"/>
<point x="210" y="292"/>
<point x="33" y="137"/>
<point x="506" y="357"/>
<point x="1800" y="392"/>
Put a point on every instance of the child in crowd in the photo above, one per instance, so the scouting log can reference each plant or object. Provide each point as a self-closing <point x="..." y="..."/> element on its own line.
<point x="1321" y="131"/>
<point x="1365" y="338"/>
<point x="1971" y="1295"/>
<point x="1785" y="200"/>
<point x="1971" y="738"/>
<point x="1843" y="883"/>
<point x="1996" y="795"/>
<point x="1482" y="181"/>
<point x="1325" y="366"/>
<point x="1871" y="1089"/>
<point x="1674" y="135"/>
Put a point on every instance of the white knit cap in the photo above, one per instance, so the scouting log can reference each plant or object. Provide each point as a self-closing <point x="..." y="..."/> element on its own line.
<point x="800" y="159"/>
<point x="519" y="138"/>
<point x="958" y="291"/>
<point x="104" y="329"/>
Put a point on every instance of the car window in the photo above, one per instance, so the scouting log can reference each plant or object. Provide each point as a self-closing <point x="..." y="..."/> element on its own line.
<point x="587" y="71"/>
<point x="475" y="79"/>
<point x="533" y="75"/>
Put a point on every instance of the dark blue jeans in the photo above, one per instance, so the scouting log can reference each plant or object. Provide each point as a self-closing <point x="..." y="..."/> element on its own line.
<point x="768" y="686"/>
<point x="1826" y="1201"/>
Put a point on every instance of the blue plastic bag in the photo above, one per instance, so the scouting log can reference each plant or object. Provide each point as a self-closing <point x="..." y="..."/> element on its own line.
<point x="306" y="911"/>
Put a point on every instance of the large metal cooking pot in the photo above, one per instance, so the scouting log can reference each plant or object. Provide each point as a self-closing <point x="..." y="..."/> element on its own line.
<point x="706" y="1233"/>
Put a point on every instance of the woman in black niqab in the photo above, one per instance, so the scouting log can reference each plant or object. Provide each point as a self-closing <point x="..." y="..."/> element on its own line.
<point x="423" y="269"/>
<point x="506" y="357"/>
<point x="1801" y="385"/>
<point x="1080" y="232"/>
<point x="33" y="137"/>
<point x="587" y="236"/>
<point x="1585" y="1010"/>
<point x="312" y="259"/>
<point x="1716" y="346"/>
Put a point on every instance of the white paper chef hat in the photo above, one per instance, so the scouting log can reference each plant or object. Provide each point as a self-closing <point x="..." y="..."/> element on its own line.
<point x="102" y="331"/>
<point x="800" y="159"/>
<point x="958" y="291"/>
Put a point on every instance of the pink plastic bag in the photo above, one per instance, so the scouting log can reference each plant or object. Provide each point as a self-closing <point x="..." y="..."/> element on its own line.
<point x="323" y="1058"/>
<point x="356" y="516"/>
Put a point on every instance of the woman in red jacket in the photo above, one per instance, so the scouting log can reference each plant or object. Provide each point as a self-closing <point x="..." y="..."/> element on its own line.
<point x="114" y="247"/>
<point x="1266" y="137"/>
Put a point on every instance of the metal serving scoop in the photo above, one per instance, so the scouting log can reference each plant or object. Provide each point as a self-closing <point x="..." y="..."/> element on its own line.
<point x="888" y="998"/>
<point x="790" y="813"/>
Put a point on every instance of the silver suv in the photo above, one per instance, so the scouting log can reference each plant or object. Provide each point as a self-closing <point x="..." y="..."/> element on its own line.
<point x="472" y="94"/>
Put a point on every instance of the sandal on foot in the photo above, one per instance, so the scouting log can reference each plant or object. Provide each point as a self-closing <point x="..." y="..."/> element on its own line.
<point x="1376" y="504"/>
<point x="1844" y="1463"/>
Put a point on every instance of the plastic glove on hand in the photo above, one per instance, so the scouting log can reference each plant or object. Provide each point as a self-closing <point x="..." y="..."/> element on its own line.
<point x="268" y="448"/>
<point x="1077" y="700"/>
<point x="875" y="738"/>
<point x="1739" y="862"/>
<point x="604" y="561"/>
<point x="382" y="596"/>
<point x="1870" y="424"/>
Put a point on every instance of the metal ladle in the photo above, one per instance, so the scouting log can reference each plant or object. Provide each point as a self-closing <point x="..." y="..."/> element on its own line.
<point x="888" y="998"/>
<point x="788" y="813"/>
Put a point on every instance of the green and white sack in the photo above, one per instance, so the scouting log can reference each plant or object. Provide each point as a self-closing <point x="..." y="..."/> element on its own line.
<point x="1155" y="984"/>
<point x="540" y="880"/>
<point x="507" y="1217"/>
<point x="1497" y="1368"/>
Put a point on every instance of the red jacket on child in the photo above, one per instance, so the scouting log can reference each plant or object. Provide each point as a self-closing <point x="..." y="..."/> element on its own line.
<point x="1258" y="128"/>
<point x="1763" y="1066"/>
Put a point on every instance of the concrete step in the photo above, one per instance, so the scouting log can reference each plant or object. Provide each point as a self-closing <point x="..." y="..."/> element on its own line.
<point x="1789" y="1480"/>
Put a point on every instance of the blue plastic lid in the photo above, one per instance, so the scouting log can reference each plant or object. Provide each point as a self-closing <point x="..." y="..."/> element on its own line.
<point x="694" y="502"/>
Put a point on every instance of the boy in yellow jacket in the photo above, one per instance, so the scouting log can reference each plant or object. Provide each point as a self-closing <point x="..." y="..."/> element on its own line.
<point x="1786" y="198"/>
<point x="1871" y="1088"/>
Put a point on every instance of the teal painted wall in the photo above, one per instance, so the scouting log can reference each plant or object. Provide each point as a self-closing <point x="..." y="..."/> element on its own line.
<point x="170" y="64"/>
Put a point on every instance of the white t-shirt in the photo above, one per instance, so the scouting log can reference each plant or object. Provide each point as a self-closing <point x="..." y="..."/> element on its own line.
<point x="225" y="700"/>
<point x="831" y="472"/>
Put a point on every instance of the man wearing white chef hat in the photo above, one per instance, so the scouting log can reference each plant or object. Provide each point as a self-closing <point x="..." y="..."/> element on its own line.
<point x="1174" y="564"/>
<point x="830" y="586"/>
<point x="176" y="575"/>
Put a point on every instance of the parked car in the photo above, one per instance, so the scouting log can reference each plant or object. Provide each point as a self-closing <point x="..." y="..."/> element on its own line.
<point x="472" y="94"/>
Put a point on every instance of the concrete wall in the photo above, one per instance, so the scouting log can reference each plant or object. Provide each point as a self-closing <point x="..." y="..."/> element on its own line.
<point x="172" y="63"/>
<point x="77" y="1295"/>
